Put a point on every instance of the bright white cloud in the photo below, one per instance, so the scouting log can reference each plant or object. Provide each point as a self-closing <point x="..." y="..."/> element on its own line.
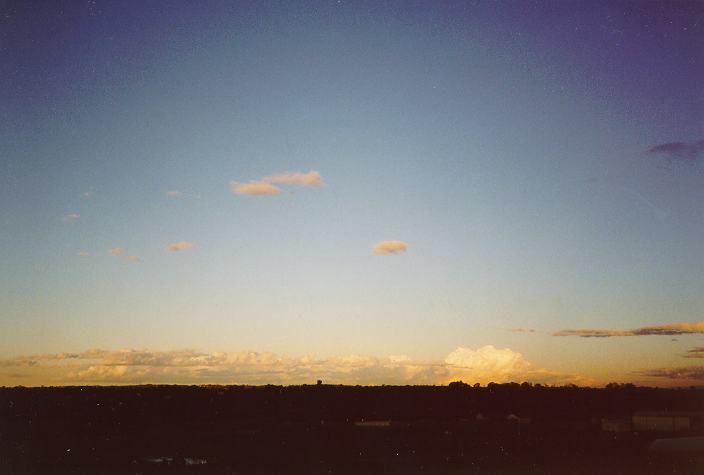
<point x="312" y="178"/>
<point x="192" y="367"/>
<point x="73" y="217"/>
<point x="179" y="246"/>
<point x="390" y="247"/>
<point x="487" y="364"/>
<point x="255" y="188"/>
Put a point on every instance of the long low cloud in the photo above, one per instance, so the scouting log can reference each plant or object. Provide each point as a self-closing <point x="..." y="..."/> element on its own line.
<point x="696" y="352"/>
<point x="481" y="365"/>
<point x="692" y="373"/>
<point x="670" y="329"/>
<point x="267" y="185"/>
<point x="312" y="178"/>
<point x="254" y="188"/>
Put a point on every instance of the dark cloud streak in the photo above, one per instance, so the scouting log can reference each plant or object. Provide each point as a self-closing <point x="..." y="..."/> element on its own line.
<point x="671" y="329"/>
<point x="690" y="372"/>
<point x="679" y="150"/>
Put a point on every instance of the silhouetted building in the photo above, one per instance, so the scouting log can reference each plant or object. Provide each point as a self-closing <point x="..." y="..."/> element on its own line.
<point x="616" y="425"/>
<point x="667" y="421"/>
<point x="383" y="423"/>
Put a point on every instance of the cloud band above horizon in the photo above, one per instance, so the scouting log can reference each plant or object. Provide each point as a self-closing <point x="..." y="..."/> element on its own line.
<point x="670" y="329"/>
<point x="97" y="366"/>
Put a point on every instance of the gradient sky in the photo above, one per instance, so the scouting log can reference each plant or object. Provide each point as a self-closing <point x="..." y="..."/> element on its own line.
<point x="542" y="161"/>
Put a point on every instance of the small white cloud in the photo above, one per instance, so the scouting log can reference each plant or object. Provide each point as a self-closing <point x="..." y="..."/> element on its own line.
<point x="256" y="188"/>
<point x="312" y="178"/>
<point x="390" y="247"/>
<point x="174" y="194"/>
<point x="119" y="252"/>
<point x="179" y="246"/>
<point x="73" y="217"/>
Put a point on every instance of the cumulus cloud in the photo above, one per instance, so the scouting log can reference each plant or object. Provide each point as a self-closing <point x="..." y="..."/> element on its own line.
<point x="671" y="329"/>
<point x="71" y="218"/>
<point x="255" y="188"/>
<point x="695" y="373"/>
<point x="483" y="365"/>
<point x="696" y="352"/>
<point x="390" y="247"/>
<point x="690" y="151"/>
<point x="179" y="246"/>
<point x="312" y="178"/>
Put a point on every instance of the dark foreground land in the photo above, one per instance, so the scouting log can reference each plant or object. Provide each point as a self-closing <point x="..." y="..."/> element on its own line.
<point x="507" y="428"/>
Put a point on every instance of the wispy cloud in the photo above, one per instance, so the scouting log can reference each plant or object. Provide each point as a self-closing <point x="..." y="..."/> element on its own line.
<point x="312" y="178"/>
<point x="267" y="185"/>
<point x="390" y="247"/>
<point x="255" y="188"/>
<point x="181" y="194"/>
<point x="179" y="246"/>
<point x="71" y="218"/>
<point x="690" y="151"/>
<point x="671" y="329"/>
<point x="695" y="373"/>
<point x="521" y="330"/>
<point x="119" y="252"/>
<point x="482" y="365"/>
<point x="696" y="352"/>
<point x="84" y="253"/>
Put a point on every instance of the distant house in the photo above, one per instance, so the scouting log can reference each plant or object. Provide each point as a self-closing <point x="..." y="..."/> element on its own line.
<point x="616" y="425"/>
<point x="518" y="419"/>
<point x="381" y="423"/>
<point x="667" y="421"/>
<point x="678" y="445"/>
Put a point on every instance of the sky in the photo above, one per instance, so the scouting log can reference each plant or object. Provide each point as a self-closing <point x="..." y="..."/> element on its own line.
<point x="361" y="192"/>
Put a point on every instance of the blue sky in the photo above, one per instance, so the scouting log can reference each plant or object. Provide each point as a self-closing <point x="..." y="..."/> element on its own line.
<point x="507" y="143"/>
